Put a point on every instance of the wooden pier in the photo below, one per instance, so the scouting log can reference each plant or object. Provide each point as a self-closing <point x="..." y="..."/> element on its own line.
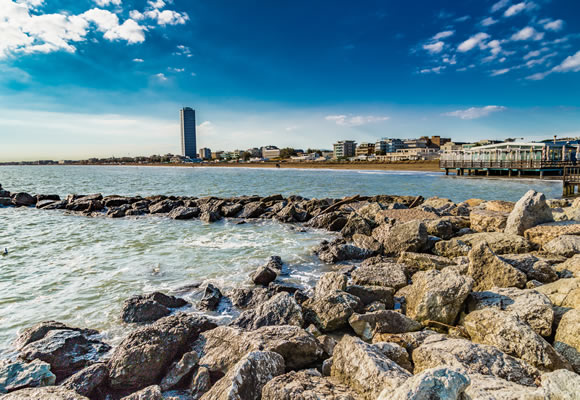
<point x="571" y="182"/>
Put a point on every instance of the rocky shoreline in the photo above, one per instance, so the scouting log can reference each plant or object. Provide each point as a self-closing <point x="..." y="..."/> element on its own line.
<point x="428" y="299"/>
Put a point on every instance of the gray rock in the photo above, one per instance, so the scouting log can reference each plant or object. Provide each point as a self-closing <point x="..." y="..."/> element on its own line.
<point x="330" y="282"/>
<point x="281" y="309"/>
<point x="183" y="212"/>
<point x="569" y="268"/>
<point x="368" y="243"/>
<point x="488" y="221"/>
<point x="560" y="384"/>
<point x="18" y="375"/>
<point x="486" y="387"/>
<point x="338" y="250"/>
<point x="264" y="275"/>
<point x="149" y="393"/>
<point x="387" y="321"/>
<point x="23" y="199"/>
<point x="44" y="393"/>
<point x="381" y="274"/>
<point x="563" y="292"/>
<point x="87" y="380"/>
<point x="179" y="370"/>
<point x="231" y="210"/>
<point x="333" y="221"/>
<point x="565" y="245"/>
<point x="410" y="236"/>
<point x="151" y="307"/>
<point x="200" y="383"/>
<point x="423" y="262"/>
<point x="210" y="216"/>
<point x="408" y="340"/>
<point x="567" y="340"/>
<point x="396" y="353"/>
<point x="163" y="206"/>
<point x="529" y="211"/>
<point x="211" y="298"/>
<point x="331" y="311"/>
<point x="371" y="294"/>
<point x="534" y="267"/>
<point x="305" y="385"/>
<point x="253" y="210"/>
<point x="489" y="271"/>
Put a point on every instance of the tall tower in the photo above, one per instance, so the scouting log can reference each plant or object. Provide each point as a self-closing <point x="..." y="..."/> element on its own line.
<point x="188" y="139"/>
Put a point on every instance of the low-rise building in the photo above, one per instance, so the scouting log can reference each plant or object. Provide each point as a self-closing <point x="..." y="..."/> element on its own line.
<point x="344" y="149"/>
<point x="413" y="154"/>
<point x="386" y="145"/>
<point x="365" y="149"/>
<point x="205" y="153"/>
<point x="269" y="152"/>
<point x="217" y="155"/>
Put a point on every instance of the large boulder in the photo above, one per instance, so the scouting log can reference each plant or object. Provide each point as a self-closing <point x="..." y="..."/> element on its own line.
<point x="410" y="236"/>
<point x="365" y="369"/>
<point x="23" y="199"/>
<point x="183" y="212"/>
<point x="569" y="268"/>
<point x="18" y="375"/>
<point x="567" y="339"/>
<point x="542" y="234"/>
<point x="423" y="262"/>
<point x="489" y="271"/>
<point x="330" y="282"/>
<point x="151" y="307"/>
<point x="385" y="274"/>
<point x="529" y="305"/>
<point x="488" y="221"/>
<point x="437" y="296"/>
<point x="179" y="370"/>
<point x="438" y="350"/>
<point x="152" y="392"/>
<point x="245" y="380"/>
<point x="370" y="294"/>
<point x="44" y="393"/>
<point x="386" y="321"/>
<point x="535" y="268"/>
<point x="339" y="250"/>
<point x="281" y="309"/>
<point x="331" y="311"/>
<point x="500" y="243"/>
<point x="144" y="355"/>
<point x="305" y="385"/>
<point x="565" y="245"/>
<point x="86" y="381"/>
<point x="563" y="292"/>
<point x="253" y="210"/>
<point x="510" y="334"/>
<point x="529" y="211"/>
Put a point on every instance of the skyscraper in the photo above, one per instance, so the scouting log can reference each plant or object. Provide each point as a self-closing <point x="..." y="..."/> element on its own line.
<point x="188" y="140"/>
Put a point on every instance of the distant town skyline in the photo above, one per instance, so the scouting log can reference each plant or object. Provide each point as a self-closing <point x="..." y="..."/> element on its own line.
<point x="101" y="78"/>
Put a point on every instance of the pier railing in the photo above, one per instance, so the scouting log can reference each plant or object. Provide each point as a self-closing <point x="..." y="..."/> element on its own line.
<point x="571" y="182"/>
<point x="504" y="164"/>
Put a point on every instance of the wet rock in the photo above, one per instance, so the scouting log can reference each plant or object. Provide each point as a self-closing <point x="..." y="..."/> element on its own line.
<point x="380" y="274"/>
<point x="253" y="210"/>
<point x="489" y="271"/>
<point x="510" y="334"/>
<point x="184" y="213"/>
<point x="339" y="250"/>
<point x="542" y="234"/>
<point x="144" y="355"/>
<point x="423" y="262"/>
<point x="371" y="294"/>
<point x="331" y="311"/>
<point x="245" y="380"/>
<point x="396" y="353"/>
<point x="364" y="368"/>
<point x="410" y="236"/>
<point x="163" y="206"/>
<point x="211" y="298"/>
<point x="264" y="275"/>
<point x="532" y="266"/>
<point x="18" y="375"/>
<point x="532" y="307"/>
<point x="7" y="201"/>
<point x="488" y="221"/>
<point x="281" y="309"/>
<point x="529" y="211"/>
<point x="85" y="205"/>
<point x="39" y="204"/>
<point x="330" y="282"/>
<point x="231" y="210"/>
<point x="179" y="370"/>
<point x="119" y="212"/>
<point x="210" y="216"/>
<point x="23" y="199"/>
<point x="438" y="350"/>
<point x="305" y="385"/>
<point x="248" y="297"/>
<point x="151" y="307"/>
<point x="44" y="393"/>
<point x="565" y="245"/>
<point x="224" y="346"/>
<point x="149" y="393"/>
<point x="87" y="380"/>
<point x="437" y="296"/>
<point x="567" y="339"/>
<point x="115" y="201"/>
<point x="333" y="221"/>
<point x="435" y="383"/>
<point x="387" y="321"/>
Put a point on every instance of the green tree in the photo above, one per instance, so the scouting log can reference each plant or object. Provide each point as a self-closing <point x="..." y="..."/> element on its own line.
<point x="245" y="155"/>
<point x="287" y="152"/>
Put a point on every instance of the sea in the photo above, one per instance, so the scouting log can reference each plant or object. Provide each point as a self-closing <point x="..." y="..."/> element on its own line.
<point x="79" y="270"/>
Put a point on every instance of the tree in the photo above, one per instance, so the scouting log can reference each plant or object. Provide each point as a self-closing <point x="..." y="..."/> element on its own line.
<point x="245" y="155"/>
<point x="317" y="151"/>
<point x="287" y="152"/>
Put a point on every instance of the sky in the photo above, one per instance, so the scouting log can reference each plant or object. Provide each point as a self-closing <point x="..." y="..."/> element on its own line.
<point x="101" y="78"/>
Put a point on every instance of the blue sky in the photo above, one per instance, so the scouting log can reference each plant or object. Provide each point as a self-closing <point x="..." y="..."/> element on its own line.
<point x="82" y="78"/>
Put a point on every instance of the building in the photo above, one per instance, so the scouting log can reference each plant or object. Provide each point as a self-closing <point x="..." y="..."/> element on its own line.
<point x="188" y="139"/>
<point x="435" y="141"/>
<point x="365" y="149"/>
<point x="217" y="155"/>
<point x="413" y="154"/>
<point x="448" y="146"/>
<point x="344" y="149"/>
<point x="385" y="145"/>
<point x="254" y="152"/>
<point x="205" y="153"/>
<point x="421" y="143"/>
<point x="270" y="152"/>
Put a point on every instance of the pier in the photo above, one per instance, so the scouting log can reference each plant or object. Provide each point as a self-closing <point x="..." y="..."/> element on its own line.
<point x="571" y="182"/>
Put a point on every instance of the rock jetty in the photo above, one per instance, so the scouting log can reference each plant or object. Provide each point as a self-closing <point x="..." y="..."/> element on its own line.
<point x="428" y="299"/>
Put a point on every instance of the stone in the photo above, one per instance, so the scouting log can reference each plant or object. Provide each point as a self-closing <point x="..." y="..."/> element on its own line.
<point x="224" y="346"/>
<point x="499" y="205"/>
<point x="44" y="393"/>
<point x="534" y="267"/>
<point x="500" y="243"/>
<point x="356" y="225"/>
<point x="403" y="215"/>
<point x="439" y="350"/>
<point x="387" y="321"/>
<point x="563" y="293"/>
<point x="200" y="383"/>
<point x="371" y="294"/>
<point x="23" y="199"/>
<point x="368" y="243"/>
<point x="333" y="221"/>
<point x="542" y="234"/>
<point x="146" y="353"/>
<point x="253" y="210"/>
<point x="408" y="340"/>
<point x="423" y="262"/>
<point x="245" y="380"/>
<point x="510" y="334"/>
<point x="231" y="210"/>
<point x="163" y="206"/>
<point x="264" y="275"/>
<point x="446" y="227"/>
<point x="183" y="212"/>
<point x="567" y="339"/>
<point x="210" y="216"/>
<point x="396" y="353"/>
<point x="410" y="236"/>
<point x="437" y="296"/>
<point x="529" y="211"/>
<point x="281" y="309"/>
<point x="331" y="311"/>
<point x="489" y="271"/>
<point x="364" y="368"/>
<point x="149" y="393"/>
<point x="452" y="248"/>
<point x="18" y="375"/>
<point x="151" y="307"/>
<point x="179" y="370"/>
<point x="486" y="387"/>
<point x="565" y="245"/>
<point x="330" y="282"/>
<point x="304" y="385"/>
<point x="436" y="383"/>
<point x="488" y="221"/>
<point x="328" y="343"/>
<point x="560" y="384"/>
<point x="87" y="380"/>
<point x="244" y="298"/>
<point x="339" y="250"/>
<point x="211" y="298"/>
<point x="386" y="274"/>
<point x="532" y="307"/>
<point x="569" y="268"/>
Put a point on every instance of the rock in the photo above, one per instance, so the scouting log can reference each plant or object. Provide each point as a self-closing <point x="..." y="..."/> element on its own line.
<point x="386" y="321"/>
<point x="281" y="309"/>
<point x="489" y="271"/>
<point x="67" y="350"/>
<point x="86" y="206"/>
<point x="542" y="234"/>
<point x="409" y="340"/>
<point x="244" y="298"/>
<point x="330" y="282"/>
<point x="452" y="248"/>
<point x="39" y="204"/>
<point x="500" y="206"/>
<point x="200" y="383"/>
<point x="364" y="368"/>
<point x="356" y="225"/>
<point x="264" y="275"/>
<point x="403" y="215"/>
<point x="231" y="210"/>
<point x="371" y="294"/>
<point x="510" y="334"/>
<point x="423" y="262"/>
<point x="224" y="346"/>
<point x="18" y="375"/>
<point x="488" y="221"/>
<point x="7" y="201"/>
<point x="149" y="393"/>
<point x="163" y="206"/>
<point x="437" y="296"/>
<point x="253" y="210"/>
<point x="410" y="236"/>
<point x="184" y="213"/>
<point x="368" y="243"/>
<point x="331" y="311"/>
<point x="500" y="243"/>
<point x="328" y="343"/>
<point x="438" y="350"/>
<point x="44" y="393"/>
<point x="211" y="298"/>
<point x="151" y="307"/>
<point x="565" y="245"/>
<point x="245" y="380"/>
<point x="304" y="385"/>
<point x="23" y="199"/>
<point x="87" y="380"/>
<point x="179" y="370"/>
<point x="560" y="384"/>
<point x="569" y="268"/>
<point x="532" y="307"/>
<point x="146" y="353"/>
<point x="396" y="353"/>
<point x="529" y="211"/>
<point x="563" y="293"/>
<point x="567" y="339"/>
<point x="210" y="216"/>
<point x="485" y="387"/>
<point x="333" y="221"/>
<point x="339" y="250"/>
<point x="435" y="383"/>
<point x="381" y="274"/>
<point x="532" y="266"/>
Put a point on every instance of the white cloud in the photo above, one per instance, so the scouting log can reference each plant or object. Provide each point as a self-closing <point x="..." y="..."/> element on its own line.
<point x="138" y="60"/>
<point x="571" y="63"/>
<point x="532" y="54"/>
<point x="528" y="33"/>
<point x="488" y="21"/>
<point x="176" y="69"/>
<point x="514" y="10"/>
<point x="136" y="15"/>
<point x="434" y="70"/>
<point x="552" y="25"/>
<point x="500" y="71"/>
<point x="183" y="51"/>
<point x="167" y="17"/>
<point x="108" y="23"/>
<point x="474" y="112"/>
<point x="434" y="48"/>
<point x="357" y="120"/>
<point x="161" y="77"/>
<point x="538" y="76"/>
<point x="443" y="35"/>
<point x="104" y="3"/>
<point x="463" y="19"/>
<point x="473" y="41"/>
<point x="206" y="128"/>
<point x="156" y="3"/>
<point x="499" y="5"/>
